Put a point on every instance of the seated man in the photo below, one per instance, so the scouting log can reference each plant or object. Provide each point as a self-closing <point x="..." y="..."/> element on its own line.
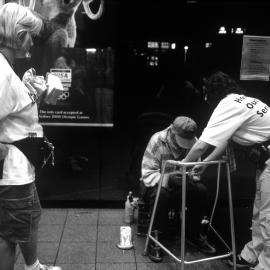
<point x="173" y="143"/>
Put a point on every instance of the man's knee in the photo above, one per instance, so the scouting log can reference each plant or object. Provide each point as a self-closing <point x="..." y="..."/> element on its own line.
<point x="164" y="197"/>
<point x="197" y="188"/>
<point x="199" y="192"/>
<point x="151" y="193"/>
<point x="201" y="188"/>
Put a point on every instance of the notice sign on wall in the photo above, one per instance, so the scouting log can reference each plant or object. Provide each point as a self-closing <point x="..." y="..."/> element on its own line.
<point x="255" y="58"/>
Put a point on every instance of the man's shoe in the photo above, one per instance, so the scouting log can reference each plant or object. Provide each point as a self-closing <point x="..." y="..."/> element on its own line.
<point x="203" y="245"/>
<point x="49" y="267"/>
<point x="155" y="253"/>
<point x="241" y="263"/>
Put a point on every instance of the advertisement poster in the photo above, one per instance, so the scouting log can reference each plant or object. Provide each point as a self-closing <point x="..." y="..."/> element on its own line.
<point x="255" y="58"/>
<point x="65" y="49"/>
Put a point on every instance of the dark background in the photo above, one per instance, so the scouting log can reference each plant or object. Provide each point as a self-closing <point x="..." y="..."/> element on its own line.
<point x="97" y="165"/>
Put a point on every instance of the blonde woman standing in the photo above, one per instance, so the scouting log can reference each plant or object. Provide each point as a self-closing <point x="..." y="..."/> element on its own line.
<point x="20" y="208"/>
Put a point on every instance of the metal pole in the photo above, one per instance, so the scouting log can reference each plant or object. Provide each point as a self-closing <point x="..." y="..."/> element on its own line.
<point x="231" y="215"/>
<point x="183" y="222"/>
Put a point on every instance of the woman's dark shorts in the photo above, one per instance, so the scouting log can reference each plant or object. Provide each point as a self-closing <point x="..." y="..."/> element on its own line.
<point x="20" y="212"/>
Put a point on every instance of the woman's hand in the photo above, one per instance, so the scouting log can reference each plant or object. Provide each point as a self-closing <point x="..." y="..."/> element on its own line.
<point x="36" y="84"/>
<point x="39" y="84"/>
<point x="198" y="169"/>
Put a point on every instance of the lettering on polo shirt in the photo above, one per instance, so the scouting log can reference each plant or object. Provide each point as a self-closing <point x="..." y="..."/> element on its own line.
<point x="250" y="105"/>
<point x="263" y="111"/>
<point x="240" y="99"/>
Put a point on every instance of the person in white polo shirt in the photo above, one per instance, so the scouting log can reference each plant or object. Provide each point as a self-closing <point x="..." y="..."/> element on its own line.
<point x="19" y="203"/>
<point x="245" y="121"/>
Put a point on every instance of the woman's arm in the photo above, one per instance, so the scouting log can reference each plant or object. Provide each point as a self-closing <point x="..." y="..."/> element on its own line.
<point x="198" y="149"/>
<point x="214" y="155"/>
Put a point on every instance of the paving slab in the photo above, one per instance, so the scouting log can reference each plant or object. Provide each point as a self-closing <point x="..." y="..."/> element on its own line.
<point x="107" y="252"/>
<point x="53" y="216"/>
<point x="79" y="233"/>
<point x="82" y="216"/>
<point x="77" y="253"/>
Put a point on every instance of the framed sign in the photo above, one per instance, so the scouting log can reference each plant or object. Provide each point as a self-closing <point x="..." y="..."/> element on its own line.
<point x="255" y="58"/>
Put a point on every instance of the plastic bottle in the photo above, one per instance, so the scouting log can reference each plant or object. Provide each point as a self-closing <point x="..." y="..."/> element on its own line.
<point x="129" y="209"/>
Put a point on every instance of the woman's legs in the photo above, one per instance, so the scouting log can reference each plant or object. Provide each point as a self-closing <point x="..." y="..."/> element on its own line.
<point x="259" y="247"/>
<point x="253" y="248"/>
<point x="7" y="254"/>
<point x="29" y="248"/>
<point x="264" y="219"/>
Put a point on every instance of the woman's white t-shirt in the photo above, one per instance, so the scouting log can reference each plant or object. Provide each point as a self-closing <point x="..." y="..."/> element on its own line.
<point x="243" y="119"/>
<point x="18" y="120"/>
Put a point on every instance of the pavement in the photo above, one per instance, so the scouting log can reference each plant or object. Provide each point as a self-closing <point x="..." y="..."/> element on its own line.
<point x="86" y="239"/>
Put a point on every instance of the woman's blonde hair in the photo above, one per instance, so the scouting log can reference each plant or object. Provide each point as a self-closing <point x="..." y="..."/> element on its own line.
<point x="14" y="21"/>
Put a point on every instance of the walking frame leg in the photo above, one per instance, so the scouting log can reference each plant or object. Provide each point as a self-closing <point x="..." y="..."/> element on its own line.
<point x="183" y="221"/>
<point x="231" y="215"/>
<point x="145" y="252"/>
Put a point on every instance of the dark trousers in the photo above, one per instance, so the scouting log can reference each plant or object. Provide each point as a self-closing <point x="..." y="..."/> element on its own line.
<point x="196" y="197"/>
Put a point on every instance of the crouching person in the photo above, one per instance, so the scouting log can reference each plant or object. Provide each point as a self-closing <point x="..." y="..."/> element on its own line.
<point x="173" y="143"/>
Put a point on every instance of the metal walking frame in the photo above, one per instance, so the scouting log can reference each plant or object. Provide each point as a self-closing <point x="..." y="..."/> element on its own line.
<point x="184" y="165"/>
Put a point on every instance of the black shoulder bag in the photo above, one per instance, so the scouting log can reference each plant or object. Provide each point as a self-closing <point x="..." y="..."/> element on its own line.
<point x="38" y="150"/>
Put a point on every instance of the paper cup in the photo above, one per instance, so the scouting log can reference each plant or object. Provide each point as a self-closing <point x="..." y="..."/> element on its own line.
<point x="125" y="238"/>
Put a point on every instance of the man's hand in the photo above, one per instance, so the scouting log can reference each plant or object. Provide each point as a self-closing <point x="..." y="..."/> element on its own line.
<point x="175" y="179"/>
<point x="176" y="176"/>
<point x="195" y="178"/>
<point x="3" y="151"/>
<point x="198" y="170"/>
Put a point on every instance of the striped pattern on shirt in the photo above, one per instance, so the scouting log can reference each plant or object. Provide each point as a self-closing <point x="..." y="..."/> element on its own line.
<point x="161" y="147"/>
